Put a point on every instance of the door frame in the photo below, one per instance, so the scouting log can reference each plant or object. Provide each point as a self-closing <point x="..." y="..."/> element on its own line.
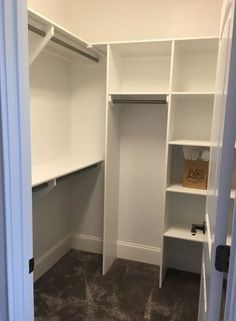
<point x="16" y="162"/>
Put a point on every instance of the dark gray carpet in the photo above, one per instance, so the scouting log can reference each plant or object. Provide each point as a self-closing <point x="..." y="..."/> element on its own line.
<point x="75" y="290"/>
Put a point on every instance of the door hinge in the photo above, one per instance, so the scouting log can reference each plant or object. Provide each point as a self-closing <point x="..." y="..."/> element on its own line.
<point x="31" y="265"/>
<point x="222" y="258"/>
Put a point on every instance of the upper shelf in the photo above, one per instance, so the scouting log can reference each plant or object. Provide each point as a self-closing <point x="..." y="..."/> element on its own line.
<point x="46" y="172"/>
<point x="46" y="34"/>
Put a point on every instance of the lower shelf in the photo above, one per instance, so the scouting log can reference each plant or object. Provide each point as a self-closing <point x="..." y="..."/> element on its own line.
<point x="183" y="234"/>
<point x="45" y="172"/>
<point x="178" y="188"/>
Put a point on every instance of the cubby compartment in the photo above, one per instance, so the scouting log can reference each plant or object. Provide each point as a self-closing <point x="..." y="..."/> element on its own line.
<point x="182" y="211"/>
<point x="139" y="67"/>
<point x="183" y="255"/>
<point x="176" y="171"/>
<point x="191" y="117"/>
<point x="195" y="65"/>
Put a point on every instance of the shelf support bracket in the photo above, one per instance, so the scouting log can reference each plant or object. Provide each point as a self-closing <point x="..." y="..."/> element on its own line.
<point x="42" y="190"/>
<point x="43" y="43"/>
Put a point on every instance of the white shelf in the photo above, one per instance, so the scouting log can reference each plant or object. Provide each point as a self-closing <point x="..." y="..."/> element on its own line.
<point x="139" y="97"/>
<point x="137" y="93"/>
<point x="183" y="233"/>
<point x="183" y="142"/>
<point x="193" y="93"/>
<point x="178" y="188"/>
<point x="45" y="172"/>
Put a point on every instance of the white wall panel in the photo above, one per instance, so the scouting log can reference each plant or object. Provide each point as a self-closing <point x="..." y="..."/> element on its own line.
<point x="112" y="20"/>
<point x="142" y="164"/>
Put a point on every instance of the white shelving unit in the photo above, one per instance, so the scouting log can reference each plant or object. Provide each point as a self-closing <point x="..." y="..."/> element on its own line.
<point x="67" y="98"/>
<point x="183" y="72"/>
<point x="190" y="117"/>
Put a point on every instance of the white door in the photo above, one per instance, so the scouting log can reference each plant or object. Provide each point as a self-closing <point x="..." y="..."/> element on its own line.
<point x="221" y="167"/>
<point x="15" y="164"/>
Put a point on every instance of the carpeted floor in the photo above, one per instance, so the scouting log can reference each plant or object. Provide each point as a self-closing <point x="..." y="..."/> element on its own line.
<point x="75" y="290"/>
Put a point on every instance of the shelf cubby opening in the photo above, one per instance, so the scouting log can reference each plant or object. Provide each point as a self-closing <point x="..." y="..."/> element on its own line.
<point x="191" y="117"/>
<point x="182" y="255"/>
<point x="176" y="172"/>
<point x="182" y="212"/>
<point x="195" y="65"/>
<point x="140" y="68"/>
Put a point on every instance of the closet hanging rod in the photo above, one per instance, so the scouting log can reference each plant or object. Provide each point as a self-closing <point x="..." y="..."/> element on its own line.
<point x="62" y="43"/>
<point x="139" y="101"/>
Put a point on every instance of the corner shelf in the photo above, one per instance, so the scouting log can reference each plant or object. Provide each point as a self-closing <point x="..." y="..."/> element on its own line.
<point x="46" y="172"/>
<point x="178" y="188"/>
<point x="183" y="142"/>
<point x="183" y="233"/>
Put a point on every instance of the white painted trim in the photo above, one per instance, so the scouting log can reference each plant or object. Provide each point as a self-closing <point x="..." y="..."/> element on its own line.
<point x="52" y="256"/>
<point x="15" y="127"/>
<point x="87" y="243"/>
<point x="139" y="252"/>
<point x="125" y="250"/>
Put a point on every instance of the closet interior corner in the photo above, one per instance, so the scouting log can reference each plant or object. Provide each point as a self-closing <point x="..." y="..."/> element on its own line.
<point x="108" y="127"/>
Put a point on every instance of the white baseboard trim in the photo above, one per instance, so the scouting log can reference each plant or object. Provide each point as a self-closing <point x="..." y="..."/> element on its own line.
<point x="54" y="254"/>
<point x="87" y="243"/>
<point x="139" y="252"/>
<point x="125" y="250"/>
<point x="93" y="244"/>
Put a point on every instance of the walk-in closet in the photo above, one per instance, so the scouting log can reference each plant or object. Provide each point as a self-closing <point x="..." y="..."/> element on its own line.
<point x="118" y="232"/>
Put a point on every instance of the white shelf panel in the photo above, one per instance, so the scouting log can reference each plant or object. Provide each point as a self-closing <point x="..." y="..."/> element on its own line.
<point x="45" y="172"/>
<point x="193" y="93"/>
<point x="143" y="97"/>
<point x="200" y="143"/>
<point x="178" y="188"/>
<point x="183" y="233"/>
<point x="137" y="93"/>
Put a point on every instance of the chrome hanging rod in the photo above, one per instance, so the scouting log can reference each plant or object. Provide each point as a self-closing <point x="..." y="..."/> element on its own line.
<point x="62" y="43"/>
<point x="139" y="101"/>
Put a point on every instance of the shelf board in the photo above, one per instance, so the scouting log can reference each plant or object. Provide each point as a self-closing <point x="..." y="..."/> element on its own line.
<point x="183" y="142"/>
<point x="138" y="93"/>
<point x="138" y="97"/>
<point x="192" y="93"/>
<point x="178" y="188"/>
<point x="45" y="172"/>
<point x="183" y="233"/>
